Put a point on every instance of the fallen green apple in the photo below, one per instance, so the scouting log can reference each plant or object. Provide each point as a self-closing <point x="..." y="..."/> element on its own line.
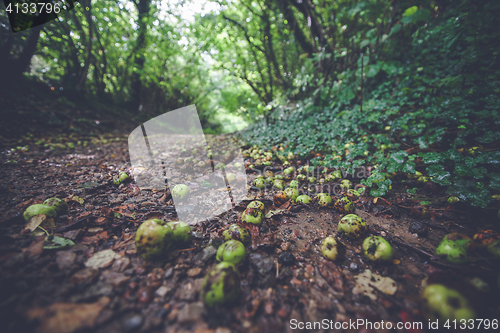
<point x="153" y="239"/>
<point x="181" y="232"/>
<point x="221" y="285"/>
<point x="301" y="178"/>
<point x="238" y="233"/>
<point x="346" y="184"/>
<point x="455" y="252"/>
<point x="304" y="198"/>
<point x="231" y="177"/>
<point x="232" y="251"/>
<point x="344" y="206"/>
<point x="442" y="303"/>
<point x="259" y="183"/>
<point x="352" y="226"/>
<point x="324" y="200"/>
<point x="292" y="193"/>
<point x="294" y="184"/>
<point x="59" y="205"/>
<point x="257" y="205"/>
<point x="377" y="249"/>
<point x="123" y="176"/>
<point x="280" y="198"/>
<point x="252" y="215"/>
<point x="180" y="192"/>
<point x="494" y="249"/>
<point x="279" y="184"/>
<point x="37" y="209"/>
<point x="329" y="248"/>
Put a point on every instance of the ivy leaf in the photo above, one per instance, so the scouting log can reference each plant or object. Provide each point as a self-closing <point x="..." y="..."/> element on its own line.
<point x="57" y="243"/>
<point x="399" y="156"/>
<point x="494" y="181"/>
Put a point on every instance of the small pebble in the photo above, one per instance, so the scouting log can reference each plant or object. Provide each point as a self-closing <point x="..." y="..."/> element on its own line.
<point x="133" y="323"/>
<point x="286" y="259"/>
<point x="418" y="228"/>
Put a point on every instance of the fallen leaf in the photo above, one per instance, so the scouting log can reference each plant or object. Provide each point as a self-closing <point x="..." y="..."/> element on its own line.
<point x="102" y="259"/>
<point x="271" y="213"/>
<point x="78" y="199"/>
<point x="254" y="230"/>
<point x="35" y="248"/>
<point x="95" y="238"/>
<point x="67" y="317"/>
<point x="57" y="243"/>
<point x="367" y="278"/>
<point x="38" y="220"/>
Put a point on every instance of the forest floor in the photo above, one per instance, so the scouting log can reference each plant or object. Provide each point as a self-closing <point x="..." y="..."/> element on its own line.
<point x="100" y="284"/>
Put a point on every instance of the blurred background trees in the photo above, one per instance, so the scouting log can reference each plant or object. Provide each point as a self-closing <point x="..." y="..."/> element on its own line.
<point x="238" y="60"/>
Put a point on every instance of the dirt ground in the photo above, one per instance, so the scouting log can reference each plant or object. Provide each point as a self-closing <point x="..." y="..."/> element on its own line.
<point x="100" y="284"/>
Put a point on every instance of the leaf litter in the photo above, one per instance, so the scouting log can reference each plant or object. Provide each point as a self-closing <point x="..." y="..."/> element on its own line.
<point x="71" y="292"/>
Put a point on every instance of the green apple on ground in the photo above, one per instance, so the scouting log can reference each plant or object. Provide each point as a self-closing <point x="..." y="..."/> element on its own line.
<point x="377" y="249"/>
<point x="352" y="226"/>
<point x="232" y="251"/>
<point x="221" y="285"/>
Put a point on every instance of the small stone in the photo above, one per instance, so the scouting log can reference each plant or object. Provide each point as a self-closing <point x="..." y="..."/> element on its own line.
<point x="65" y="259"/>
<point x="418" y="228"/>
<point x="172" y="315"/>
<point x="102" y="259"/>
<point x="285" y="246"/>
<point x="116" y="279"/>
<point x="309" y="270"/>
<point x="73" y="234"/>
<point x="262" y="263"/>
<point x="353" y="267"/>
<point x="94" y="231"/>
<point x="94" y="291"/>
<point x="268" y="308"/>
<point x="222" y="330"/>
<point x="286" y="259"/>
<point x="208" y="253"/>
<point x="84" y="276"/>
<point x="144" y="294"/>
<point x="101" y="221"/>
<point x="162" y="291"/>
<point x="190" y="313"/>
<point x="120" y="265"/>
<point x="133" y="323"/>
<point x="194" y="272"/>
<point x="187" y="292"/>
<point x="169" y="272"/>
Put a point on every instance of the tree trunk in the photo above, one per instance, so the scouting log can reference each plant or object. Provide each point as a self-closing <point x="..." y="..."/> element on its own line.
<point x="143" y="7"/>
<point x="13" y="69"/>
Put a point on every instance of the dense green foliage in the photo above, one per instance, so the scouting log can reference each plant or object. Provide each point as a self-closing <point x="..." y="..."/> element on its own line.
<point x="430" y="101"/>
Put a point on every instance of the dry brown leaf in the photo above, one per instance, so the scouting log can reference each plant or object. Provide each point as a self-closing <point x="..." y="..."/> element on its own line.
<point x="367" y="278"/>
<point x="102" y="259"/>
<point x="38" y="220"/>
<point x="67" y="317"/>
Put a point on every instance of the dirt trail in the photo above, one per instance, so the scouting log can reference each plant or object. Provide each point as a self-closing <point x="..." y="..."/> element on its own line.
<point x="62" y="291"/>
